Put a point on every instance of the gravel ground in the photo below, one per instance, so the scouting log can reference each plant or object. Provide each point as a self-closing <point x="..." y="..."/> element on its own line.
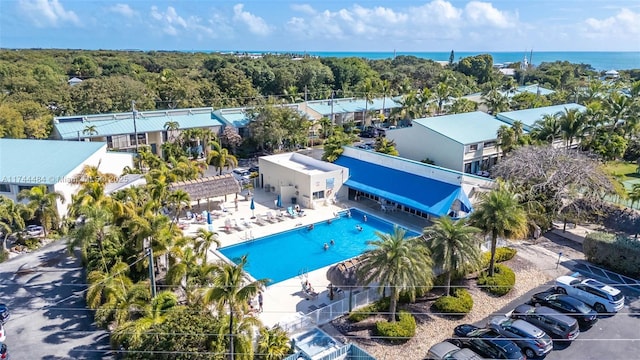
<point x="434" y="328"/>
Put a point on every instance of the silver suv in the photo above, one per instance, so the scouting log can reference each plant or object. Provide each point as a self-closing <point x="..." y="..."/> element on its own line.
<point x="600" y="296"/>
<point x="533" y="341"/>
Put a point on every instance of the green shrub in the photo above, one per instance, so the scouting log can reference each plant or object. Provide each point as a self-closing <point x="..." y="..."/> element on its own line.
<point x="30" y="243"/>
<point x="459" y="303"/>
<point x="368" y="310"/>
<point x="502" y="254"/>
<point x="500" y="283"/>
<point x="399" y="331"/>
<point x="4" y="255"/>
<point x="620" y="254"/>
<point x="405" y="296"/>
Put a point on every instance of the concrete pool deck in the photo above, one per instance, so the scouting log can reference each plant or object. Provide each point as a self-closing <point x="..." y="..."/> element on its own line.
<point x="285" y="299"/>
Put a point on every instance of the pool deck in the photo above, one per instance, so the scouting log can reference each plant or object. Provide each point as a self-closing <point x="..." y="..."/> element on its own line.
<point x="284" y="299"/>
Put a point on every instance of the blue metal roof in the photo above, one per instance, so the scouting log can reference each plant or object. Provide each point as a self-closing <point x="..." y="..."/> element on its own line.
<point x="528" y="117"/>
<point x="350" y="105"/>
<point x="421" y="193"/>
<point x="534" y="89"/>
<point x="465" y="128"/>
<point x="72" y="127"/>
<point x="34" y="162"/>
<point x="235" y="117"/>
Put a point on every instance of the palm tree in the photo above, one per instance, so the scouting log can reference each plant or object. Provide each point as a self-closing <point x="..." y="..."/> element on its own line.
<point x="547" y="129"/>
<point x="403" y="264"/>
<point x="366" y="90"/>
<point x="453" y="246"/>
<point x="203" y="241"/>
<point x="221" y="158"/>
<point x="273" y="343"/>
<point x="90" y="130"/>
<point x="386" y="146"/>
<point x="496" y="102"/>
<point x="634" y="194"/>
<point x="179" y="199"/>
<point x="572" y="125"/>
<point x="155" y="313"/>
<point x="442" y="94"/>
<point x="93" y="229"/>
<point x="104" y="284"/>
<point x="44" y="204"/>
<point x="506" y="139"/>
<point x="12" y="217"/>
<point x="232" y="289"/>
<point x="500" y="214"/>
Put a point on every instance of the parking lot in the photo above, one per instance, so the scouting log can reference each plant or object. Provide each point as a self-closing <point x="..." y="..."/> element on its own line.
<point x="612" y="337"/>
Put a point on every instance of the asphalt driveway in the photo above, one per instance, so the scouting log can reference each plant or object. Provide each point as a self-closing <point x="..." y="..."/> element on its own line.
<point x="44" y="291"/>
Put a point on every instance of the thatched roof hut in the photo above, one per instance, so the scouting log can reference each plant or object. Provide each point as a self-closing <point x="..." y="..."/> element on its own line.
<point x="343" y="274"/>
<point x="208" y="187"/>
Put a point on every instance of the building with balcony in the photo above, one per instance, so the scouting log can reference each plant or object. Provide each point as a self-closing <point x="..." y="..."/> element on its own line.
<point x="463" y="142"/>
<point x="345" y="110"/>
<point x="126" y="131"/>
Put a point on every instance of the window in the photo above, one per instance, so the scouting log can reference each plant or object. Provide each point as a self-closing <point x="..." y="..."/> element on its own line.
<point x="473" y="147"/>
<point x="489" y="144"/>
<point x="318" y="195"/>
<point x="5" y="188"/>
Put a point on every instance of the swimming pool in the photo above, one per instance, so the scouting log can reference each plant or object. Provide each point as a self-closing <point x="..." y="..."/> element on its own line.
<point x="284" y="255"/>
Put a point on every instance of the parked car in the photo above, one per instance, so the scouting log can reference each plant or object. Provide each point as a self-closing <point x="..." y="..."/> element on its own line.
<point x="552" y="322"/>
<point x="242" y="175"/>
<point x="602" y="297"/>
<point x="34" y="230"/>
<point x="567" y="305"/>
<point x="3" y="334"/>
<point x="486" y="342"/>
<point x="4" y="352"/>
<point x="533" y="341"/>
<point x="254" y="169"/>
<point x="447" y="351"/>
<point x="4" y="313"/>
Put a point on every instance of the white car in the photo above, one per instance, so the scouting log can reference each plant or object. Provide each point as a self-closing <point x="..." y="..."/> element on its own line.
<point x="600" y="296"/>
<point x="34" y="230"/>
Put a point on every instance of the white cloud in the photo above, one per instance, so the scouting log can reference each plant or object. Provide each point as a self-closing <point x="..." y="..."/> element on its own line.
<point x="303" y="8"/>
<point x="625" y="22"/>
<point x="124" y="10"/>
<point x="171" y="23"/>
<point x="45" y="13"/>
<point x="255" y="24"/>
<point x="484" y="14"/>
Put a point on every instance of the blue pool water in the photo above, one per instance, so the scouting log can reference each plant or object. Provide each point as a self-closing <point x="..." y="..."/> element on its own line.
<point x="284" y="255"/>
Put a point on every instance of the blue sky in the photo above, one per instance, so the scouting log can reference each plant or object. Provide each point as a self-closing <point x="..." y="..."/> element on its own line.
<point x="328" y="25"/>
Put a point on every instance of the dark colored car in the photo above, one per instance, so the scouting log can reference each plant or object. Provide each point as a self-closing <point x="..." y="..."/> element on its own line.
<point x="4" y="313"/>
<point x="552" y="322"/>
<point x="533" y="341"/>
<point x="567" y="305"/>
<point x="4" y="352"/>
<point x="254" y="169"/>
<point x="486" y="342"/>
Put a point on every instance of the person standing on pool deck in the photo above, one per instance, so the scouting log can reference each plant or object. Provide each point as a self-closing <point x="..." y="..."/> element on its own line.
<point x="260" y="301"/>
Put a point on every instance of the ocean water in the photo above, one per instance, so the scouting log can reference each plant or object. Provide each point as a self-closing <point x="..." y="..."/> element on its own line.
<point x="598" y="60"/>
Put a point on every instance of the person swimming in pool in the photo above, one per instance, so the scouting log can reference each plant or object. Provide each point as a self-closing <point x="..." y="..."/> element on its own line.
<point x="325" y="247"/>
<point x="358" y="227"/>
<point x="332" y="242"/>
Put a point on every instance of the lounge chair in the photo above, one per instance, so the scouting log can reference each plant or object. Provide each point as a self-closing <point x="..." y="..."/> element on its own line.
<point x="291" y="212"/>
<point x="260" y="220"/>
<point x="236" y="225"/>
<point x="246" y="223"/>
<point x="308" y="290"/>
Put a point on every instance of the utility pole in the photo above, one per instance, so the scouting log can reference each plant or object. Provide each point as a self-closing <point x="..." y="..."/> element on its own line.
<point x="305" y="93"/>
<point x="332" y="95"/>
<point x="135" y="128"/>
<point x="152" y="273"/>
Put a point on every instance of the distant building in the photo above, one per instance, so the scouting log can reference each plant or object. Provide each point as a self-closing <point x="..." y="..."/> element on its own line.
<point x="345" y="110"/>
<point x="528" y="117"/>
<point x="119" y="130"/>
<point x="25" y="163"/>
<point x="74" y="81"/>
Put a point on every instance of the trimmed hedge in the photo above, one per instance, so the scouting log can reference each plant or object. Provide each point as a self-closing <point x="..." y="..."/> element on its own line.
<point x="399" y="331"/>
<point x="371" y="309"/>
<point x="500" y="283"/>
<point x="617" y="253"/>
<point x="502" y="254"/>
<point x="460" y="303"/>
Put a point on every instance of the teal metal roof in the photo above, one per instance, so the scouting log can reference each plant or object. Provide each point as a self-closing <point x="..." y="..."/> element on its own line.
<point x="236" y="117"/>
<point x="534" y="89"/>
<point x="71" y="127"/>
<point x="34" y="162"/>
<point x="350" y="105"/>
<point x="529" y="116"/>
<point x="465" y="128"/>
